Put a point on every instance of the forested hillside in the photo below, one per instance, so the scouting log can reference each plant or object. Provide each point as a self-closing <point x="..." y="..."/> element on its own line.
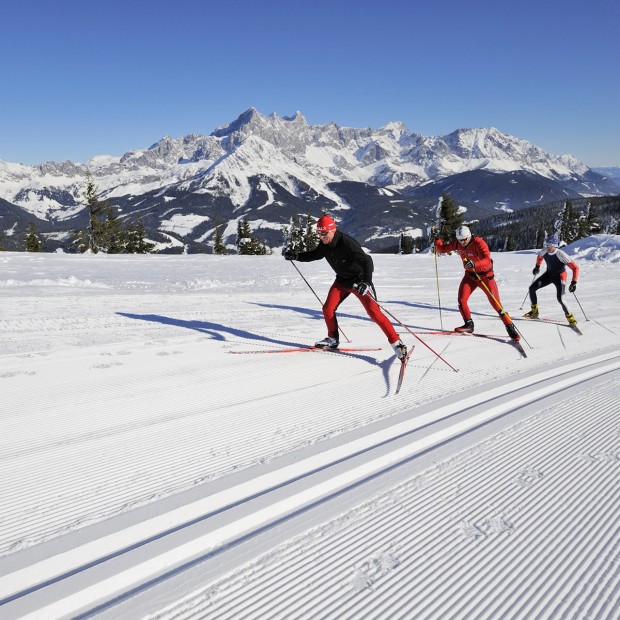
<point x="572" y="219"/>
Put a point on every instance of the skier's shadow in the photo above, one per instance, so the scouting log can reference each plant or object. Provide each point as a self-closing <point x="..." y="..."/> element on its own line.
<point x="318" y="314"/>
<point x="409" y="304"/>
<point x="217" y="331"/>
<point x="314" y="314"/>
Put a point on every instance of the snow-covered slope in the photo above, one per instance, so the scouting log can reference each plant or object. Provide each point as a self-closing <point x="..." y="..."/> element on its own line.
<point x="287" y="151"/>
<point x="157" y="464"/>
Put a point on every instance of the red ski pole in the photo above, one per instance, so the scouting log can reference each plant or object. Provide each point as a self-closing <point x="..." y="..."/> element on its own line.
<point x="414" y="334"/>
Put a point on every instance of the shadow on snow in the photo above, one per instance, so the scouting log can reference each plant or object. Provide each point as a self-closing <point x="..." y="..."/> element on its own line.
<point x="219" y="332"/>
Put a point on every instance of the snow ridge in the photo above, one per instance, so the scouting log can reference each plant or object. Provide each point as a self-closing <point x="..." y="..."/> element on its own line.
<point x="284" y="148"/>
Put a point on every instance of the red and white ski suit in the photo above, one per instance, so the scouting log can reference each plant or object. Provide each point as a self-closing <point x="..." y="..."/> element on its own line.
<point x="556" y="262"/>
<point x="478" y="252"/>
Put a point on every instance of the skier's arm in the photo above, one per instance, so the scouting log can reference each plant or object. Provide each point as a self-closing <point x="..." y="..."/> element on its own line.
<point x="575" y="269"/>
<point x="307" y="257"/>
<point x="539" y="260"/>
<point x="569" y="262"/>
<point x="444" y="248"/>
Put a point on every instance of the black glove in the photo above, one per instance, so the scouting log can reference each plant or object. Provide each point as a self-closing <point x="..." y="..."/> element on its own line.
<point x="572" y="287"/>
<point x="469" y="264"/>
<point x="289" y="254"/>
<point x="361" y="288"/>
<point x="535" y="270"/>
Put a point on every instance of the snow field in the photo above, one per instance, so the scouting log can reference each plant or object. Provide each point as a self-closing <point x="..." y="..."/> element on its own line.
<point x="123" y="407"/>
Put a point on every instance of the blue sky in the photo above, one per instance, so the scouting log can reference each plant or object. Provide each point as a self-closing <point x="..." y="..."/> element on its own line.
<point x="81" y="78"/>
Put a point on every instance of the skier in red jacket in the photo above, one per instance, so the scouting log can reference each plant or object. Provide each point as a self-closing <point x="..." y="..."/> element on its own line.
<point x="476" y="257"/>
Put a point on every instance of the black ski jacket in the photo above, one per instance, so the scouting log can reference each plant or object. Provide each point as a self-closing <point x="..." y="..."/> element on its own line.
<point x="346" y="258"/>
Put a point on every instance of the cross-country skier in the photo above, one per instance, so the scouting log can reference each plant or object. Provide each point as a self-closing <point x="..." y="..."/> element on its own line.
<point x="478" y="264"/>
<point x="556" y="261"/>
<point x="354" y="270"/>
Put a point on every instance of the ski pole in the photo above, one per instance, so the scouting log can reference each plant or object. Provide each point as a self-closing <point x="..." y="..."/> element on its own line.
<point x="414" y="334"/>
<point x="318" y="298"/>
<point x="526" y="294"/>
<point x="584" y="314"/>
<point x="486" y="288"/>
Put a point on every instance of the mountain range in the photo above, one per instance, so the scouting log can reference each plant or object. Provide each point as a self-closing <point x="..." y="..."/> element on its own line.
<point x="378" y="183"/>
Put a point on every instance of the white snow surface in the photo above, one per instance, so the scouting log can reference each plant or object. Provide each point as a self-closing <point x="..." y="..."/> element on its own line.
<point x="160" y="460"/>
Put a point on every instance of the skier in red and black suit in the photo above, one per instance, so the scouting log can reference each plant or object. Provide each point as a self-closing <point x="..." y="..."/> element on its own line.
<point x="476" y="257"/>
<point x="353" y="269"/>
<point x="556" y="261"/>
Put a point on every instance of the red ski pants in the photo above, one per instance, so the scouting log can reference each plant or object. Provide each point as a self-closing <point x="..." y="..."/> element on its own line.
<point x="469" y="285"/>
<point x="337" y="294"/>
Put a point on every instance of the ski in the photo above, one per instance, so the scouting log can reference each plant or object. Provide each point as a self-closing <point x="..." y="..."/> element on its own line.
<point x="502" y="339"/>
<point x="307" y="349"/>
<point x="554" y="322"/>
<point x="403" y="366"/>
<point x="517" y="345"/>
<point x="453" y="333"/>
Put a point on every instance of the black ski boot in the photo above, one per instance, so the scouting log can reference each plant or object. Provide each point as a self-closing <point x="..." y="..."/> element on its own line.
<point x="467" y="328"/>
<point x="327" y="343"/>
<point x="512" y="332"/>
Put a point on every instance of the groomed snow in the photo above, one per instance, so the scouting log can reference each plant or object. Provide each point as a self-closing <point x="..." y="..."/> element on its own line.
<point x="158" y="463"/>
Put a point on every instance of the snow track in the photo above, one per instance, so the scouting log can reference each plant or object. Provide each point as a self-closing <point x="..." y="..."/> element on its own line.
<point x="148" y="473"/>
<point x="374" y="561"/>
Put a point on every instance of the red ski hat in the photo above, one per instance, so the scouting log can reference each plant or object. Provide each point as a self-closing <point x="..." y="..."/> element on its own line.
<point x="325" y="223"/>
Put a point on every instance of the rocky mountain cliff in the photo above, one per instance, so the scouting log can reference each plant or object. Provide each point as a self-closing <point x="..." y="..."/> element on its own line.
<point x="266" y="169"/>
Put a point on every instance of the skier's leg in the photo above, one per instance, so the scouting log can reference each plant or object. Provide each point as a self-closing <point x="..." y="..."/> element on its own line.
<point x="336" y="295"/>
<point x="539" y="283"/>
<point x="466" y="288"/>
<point x="560" y="288"/>
<point x="492" y="293"/>
<point x="374" y="312"/>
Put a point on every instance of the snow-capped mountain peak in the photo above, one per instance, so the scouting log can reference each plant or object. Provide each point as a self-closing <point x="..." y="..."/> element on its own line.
<point x="307" y="167"/>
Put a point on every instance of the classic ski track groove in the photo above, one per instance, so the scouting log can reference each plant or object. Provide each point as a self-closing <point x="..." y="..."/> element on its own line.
<point x="444" y="602"/>
<point x="419" y="504"/>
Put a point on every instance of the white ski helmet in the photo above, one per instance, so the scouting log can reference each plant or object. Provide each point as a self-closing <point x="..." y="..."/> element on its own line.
<point x="462" y="232"/>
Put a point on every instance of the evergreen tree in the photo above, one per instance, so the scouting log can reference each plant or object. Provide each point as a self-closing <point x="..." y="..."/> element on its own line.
<point x="114" y="239"/>
<point x="218" y="241"/>
<point x="32" y="243"/>
<point x="311" y="239"/>
<point x="449" y="218"/>
<point x="144" y="246"/>
<point x="300" y="237"/>
<point x="287" y="233"/>
<point x="592" y="225"/>
<point x="569" y="230"/>
<point x="296" y="236"/>
<point x="406" y="244"/>
<point x="136" y="242"/>
<point x="91" y="238"/>
<point x="243" y="235"/>
<point x="131" y="245"/>
<point x="246" y="243"/>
